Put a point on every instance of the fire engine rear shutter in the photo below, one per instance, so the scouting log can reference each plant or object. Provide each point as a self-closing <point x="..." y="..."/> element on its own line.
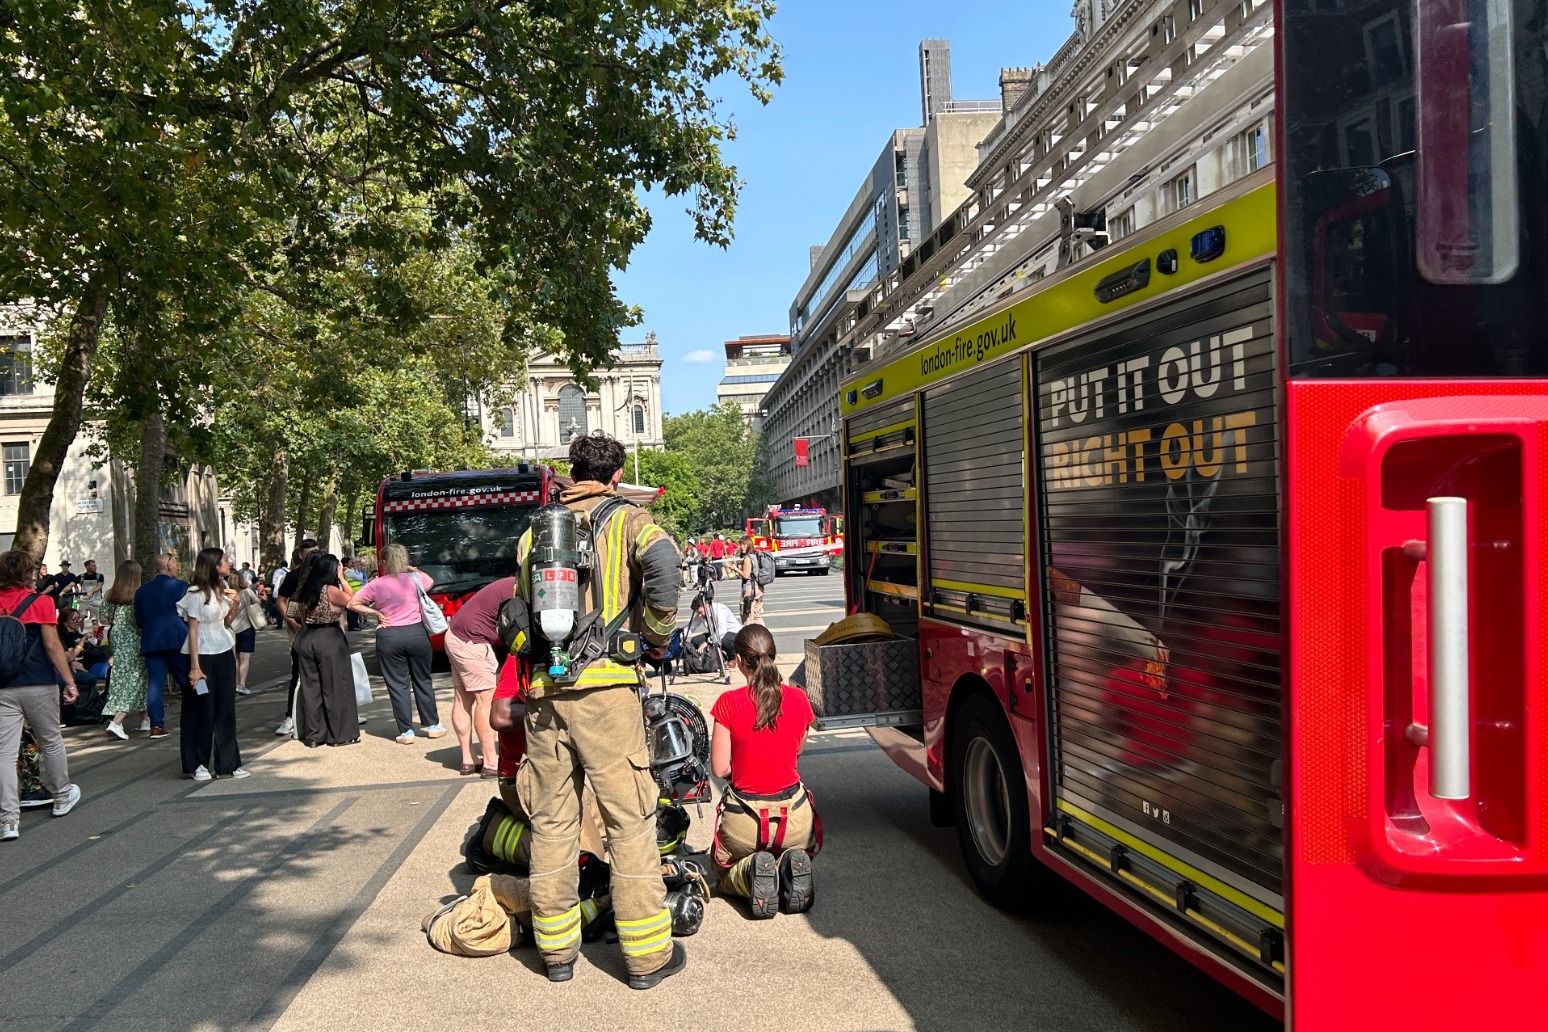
<point x="975" y="496"/>
<point x="1158" y="457"/>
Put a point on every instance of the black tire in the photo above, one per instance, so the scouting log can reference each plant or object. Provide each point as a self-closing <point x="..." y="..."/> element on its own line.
<point x="823" y="572"/>
<point x="988" y="796"/>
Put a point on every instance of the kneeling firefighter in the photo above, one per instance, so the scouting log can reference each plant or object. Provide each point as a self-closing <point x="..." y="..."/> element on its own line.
<point x="597" y="576"/>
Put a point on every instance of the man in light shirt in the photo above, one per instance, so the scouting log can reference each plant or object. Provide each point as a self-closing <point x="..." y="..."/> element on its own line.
<point x="709" y="618"/>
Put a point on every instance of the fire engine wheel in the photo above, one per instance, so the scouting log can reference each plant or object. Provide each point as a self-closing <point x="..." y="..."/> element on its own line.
<point x="989" y="799"/>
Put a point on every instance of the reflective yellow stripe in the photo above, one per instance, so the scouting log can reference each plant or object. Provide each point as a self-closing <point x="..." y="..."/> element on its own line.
<point x="646" y="935"/>
<point x="644" y="924"/>
<point x="647" y="537"/>
<point x="555" y="933"/>
<point x="654" y="944"/>
<point x="508" y="837"/>
<point x="978" y="589"/>
<point x="663" y="627"/>
<point x="737" y="876"/>
<point x="588" y="909"/>
<point x="1261" y="911"/>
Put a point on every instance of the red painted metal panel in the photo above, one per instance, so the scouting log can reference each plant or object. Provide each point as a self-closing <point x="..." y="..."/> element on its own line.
<point x="1394" y="892"/>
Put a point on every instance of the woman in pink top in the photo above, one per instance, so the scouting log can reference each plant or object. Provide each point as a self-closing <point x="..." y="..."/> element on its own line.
<point x="402" y="643"/>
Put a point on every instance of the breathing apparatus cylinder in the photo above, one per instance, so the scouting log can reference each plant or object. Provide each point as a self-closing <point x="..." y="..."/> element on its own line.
<point x="555" y="588"/>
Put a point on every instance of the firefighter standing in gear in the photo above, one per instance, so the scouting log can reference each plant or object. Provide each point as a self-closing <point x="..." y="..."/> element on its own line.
<point x="589" y="724"/>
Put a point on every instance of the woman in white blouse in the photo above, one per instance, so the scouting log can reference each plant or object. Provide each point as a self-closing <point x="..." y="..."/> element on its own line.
<point x="208" y="732"/>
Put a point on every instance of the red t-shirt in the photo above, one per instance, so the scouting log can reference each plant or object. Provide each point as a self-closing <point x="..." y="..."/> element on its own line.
<point x="717" y="549"/>
<point x="763" y="762"/>
<point x="38" y="669"/>
<point x="513" y="743"/>
<point x="42" y="611"/>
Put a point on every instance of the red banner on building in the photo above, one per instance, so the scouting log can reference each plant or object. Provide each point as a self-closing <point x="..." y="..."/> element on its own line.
<point x="803" y="452"/>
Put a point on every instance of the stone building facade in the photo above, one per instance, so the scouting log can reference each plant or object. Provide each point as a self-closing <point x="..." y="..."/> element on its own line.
<point x="551" y="407"/>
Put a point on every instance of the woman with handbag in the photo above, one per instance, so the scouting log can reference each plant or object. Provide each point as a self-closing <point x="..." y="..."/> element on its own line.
<point x="402" y="641"/>
<point x="250" y="616"/>
<point x="126" y="670"/>
<point x="330" y="716"/>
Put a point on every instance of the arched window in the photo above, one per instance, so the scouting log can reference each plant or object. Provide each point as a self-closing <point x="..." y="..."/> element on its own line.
<point x="507" y="422"/>
<point x="639" y="421"/>
<point x="572" y="413"/>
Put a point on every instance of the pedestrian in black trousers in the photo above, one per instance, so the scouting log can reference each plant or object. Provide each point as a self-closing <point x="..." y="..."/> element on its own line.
<point x="207" y="732"/>
<point x="402" y="643"/>
<point x="328" y="710"/>
<point x="300" y="565"/>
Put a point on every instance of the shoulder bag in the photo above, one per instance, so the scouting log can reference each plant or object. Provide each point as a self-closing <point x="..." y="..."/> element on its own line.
<point x="429" y="613"/>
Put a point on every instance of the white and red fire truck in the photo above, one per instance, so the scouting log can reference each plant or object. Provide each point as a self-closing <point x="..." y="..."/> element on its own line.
<point x="807" y="540"/>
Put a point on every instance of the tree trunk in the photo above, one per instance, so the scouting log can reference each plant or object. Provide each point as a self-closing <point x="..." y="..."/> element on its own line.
<point x="37" y="496"/>
<point x="349" y="524"/>
<point x="302" y="505"/>
<point x="330" y="509"/>
<point x="271" y="521"/>
<point x="147" y="492"/>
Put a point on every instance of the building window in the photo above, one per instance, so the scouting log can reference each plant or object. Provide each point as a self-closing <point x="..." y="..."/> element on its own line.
<point x="1179" y="192"/>
<point x="508" y="422"/>
<point x="1249" y="151"/>
<point x="18" y="460"/>
<point x="1168" y="29"/>
<point x="572" y="413"/>
<point x="16" y="365"/>
<point x="1195" y="9"/>
<point x="1123" y="225"/>
<point x="639" y="421"/>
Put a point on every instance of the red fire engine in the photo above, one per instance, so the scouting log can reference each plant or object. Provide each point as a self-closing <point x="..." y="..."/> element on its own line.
<point x="801" y="539"/>
<point x="462" y="527"/>
<point x="1215" y="559"/>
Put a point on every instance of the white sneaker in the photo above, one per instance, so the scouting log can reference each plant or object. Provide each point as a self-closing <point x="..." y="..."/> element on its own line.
<point x="145" y="725"/>
<point x="239" y="774"/>
<point x="201" y="773"/>
<point x="287" y="727"/>
<point x="10" y="831"/>
<point x="406" y="738"/>
<point x="363" y="720"/>
<point x="242" y="689"/>
<point x="117" y="731"/>
<point x="63" y="804"/>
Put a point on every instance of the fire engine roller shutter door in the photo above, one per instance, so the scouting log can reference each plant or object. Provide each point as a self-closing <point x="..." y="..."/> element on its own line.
<point x="974" y="492"/>
<point x="1158" y="498"/>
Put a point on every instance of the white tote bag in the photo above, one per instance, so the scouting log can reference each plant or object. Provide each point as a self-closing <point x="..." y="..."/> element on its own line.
<point x="430" y="613"/>
<point x="362" y="679"/>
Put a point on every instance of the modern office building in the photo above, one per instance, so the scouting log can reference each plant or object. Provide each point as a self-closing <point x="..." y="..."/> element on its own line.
<point x="753" y="365"/>
<point x="919" y="174"/>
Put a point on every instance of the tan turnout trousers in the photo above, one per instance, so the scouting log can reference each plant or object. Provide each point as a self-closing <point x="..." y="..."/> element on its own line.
<point x="736" y="834"/>
<point x="597" y="733"/>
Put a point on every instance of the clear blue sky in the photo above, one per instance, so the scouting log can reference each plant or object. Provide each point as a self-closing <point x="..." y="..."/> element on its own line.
<point x="851" y="77"/>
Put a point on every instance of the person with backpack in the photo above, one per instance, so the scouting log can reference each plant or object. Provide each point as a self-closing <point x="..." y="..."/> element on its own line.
<point x="757" y="572"/>
<point x="584" y="721"/>
<point x="33" y="665"/>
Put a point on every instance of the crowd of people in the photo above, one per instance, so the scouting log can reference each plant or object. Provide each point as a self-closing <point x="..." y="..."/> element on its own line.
<point x="558" y="725"/>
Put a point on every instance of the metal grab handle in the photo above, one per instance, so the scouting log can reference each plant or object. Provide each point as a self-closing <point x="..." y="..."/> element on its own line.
<point x="1450" y="736"/>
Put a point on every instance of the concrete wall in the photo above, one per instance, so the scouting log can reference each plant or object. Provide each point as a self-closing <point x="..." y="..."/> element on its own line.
<point x="949" y="156"/>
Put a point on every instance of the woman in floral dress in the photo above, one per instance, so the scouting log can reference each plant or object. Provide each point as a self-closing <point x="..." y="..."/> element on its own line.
<point x="126" y="681"/>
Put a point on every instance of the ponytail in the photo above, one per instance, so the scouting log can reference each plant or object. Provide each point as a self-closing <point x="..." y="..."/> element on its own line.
<point x="755" y="647"/>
